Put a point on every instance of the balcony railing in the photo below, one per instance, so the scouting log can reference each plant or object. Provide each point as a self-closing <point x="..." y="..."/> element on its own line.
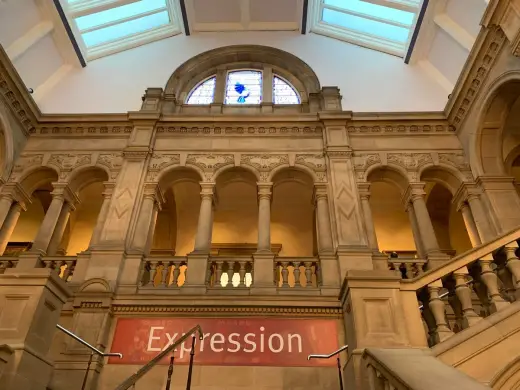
<point x="63" y="265"/>
<point x="230" y="272"/>
<point x="297" y="272"/>
<point x="165" y="272"/>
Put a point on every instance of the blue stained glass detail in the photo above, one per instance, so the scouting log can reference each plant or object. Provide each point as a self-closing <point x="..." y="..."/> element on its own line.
<point x="244" y="87"/>
<point x="203" y="93"/>
<point x="283" y="92"/>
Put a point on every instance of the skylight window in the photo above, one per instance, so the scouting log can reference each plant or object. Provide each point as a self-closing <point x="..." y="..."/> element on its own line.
<point x="384" y="25"/>
<point x="103" y="27"/>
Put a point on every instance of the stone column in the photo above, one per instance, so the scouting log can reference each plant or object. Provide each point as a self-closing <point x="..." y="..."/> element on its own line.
<point x="264" y="217"/>
<point x="205" y="224"/>
<point x="325" y="244"/>
<point x="9" y="225"/>
<point x="102" y="216"/>
<point x="61" y="224"/>
<point x="415" y="231"/>
<point x="43" y="238"/>
<point x="6" y="201"/>
<point x="146" y="221"/>
<point x="471" y="226"/>
<point x="480" y="218"/>
<point x="364" y="194"/>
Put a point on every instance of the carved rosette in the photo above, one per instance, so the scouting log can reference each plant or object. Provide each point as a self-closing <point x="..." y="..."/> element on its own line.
<point x="24" y="162"/>
<point x="264" y="163"/>
<point x="158" y="162"/>
<point x="364" y="161"/>
<point x="113" y="161"/>
<point x="67" y="162"/>
<point x="210" y="163"/>
<point x="316" y="162"/>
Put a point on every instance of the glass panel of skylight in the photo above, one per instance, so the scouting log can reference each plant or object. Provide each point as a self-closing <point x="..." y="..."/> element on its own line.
<point x="203" y="93"/>
<point x="366" y="26"/>
<point x="119" y="13"/>
<point x="244" y="87"/>
<point x="283" y="92"/>
<point x="125" y="29"/>
<point x="377" y="11"/>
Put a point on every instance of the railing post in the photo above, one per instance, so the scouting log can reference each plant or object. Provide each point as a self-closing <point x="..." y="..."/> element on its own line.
<point x="339" y="374"/>
<point x="170" y="372"/>
<point x="190" y="369"/>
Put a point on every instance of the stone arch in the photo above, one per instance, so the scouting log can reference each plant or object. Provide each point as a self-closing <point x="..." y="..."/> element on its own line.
<point x="487" y="156"/>
<point x="36" y="177"/>
<point x="6" y="149"/>
<point x="390" y="174"/>
<point x="447" y="176"/>
<point x="298" y="167"/>
<point x="508" y="378"/>
<point x="99" y="285"/>
<point x="203" y="65"/>
<point x="168" y="174"/>
<point x="229" y="167"/>
<point x="83" y="176"/>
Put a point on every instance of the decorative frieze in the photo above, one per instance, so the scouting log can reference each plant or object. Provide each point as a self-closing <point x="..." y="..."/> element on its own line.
<point x="240" y="130"/>
<point x="210" y="161"/>
<point x="85" y="129"/>
<point x="401" y="128"/>
<point x="26" y="161"/>
<point x="264" y="162"/>
<point x="410" y="161"/>
<point x="458" y="160"/>
<point x="160" y="161"/>
<point x="67" y="162"/>
<point x="364" y="161"/>
<point x="112" y="161"/>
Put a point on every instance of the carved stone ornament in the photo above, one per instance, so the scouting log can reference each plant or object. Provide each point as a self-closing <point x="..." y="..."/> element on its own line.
<point x="163" y="160"/>
<point x="264" y="162"/>
<point x="26" y="161"/>
<point x="410" y="161"/>
<point x="392" y="128"/>
<point x="210" y="161"/>
<point x="112" y="161"/>
<point x="67" y="162"/>
<point x="16" y="102"/>
<point x="363" y="161"/>
<point x="240" y="130"/>
<point x="458" y="160"/>
<point x="314" y="161"/>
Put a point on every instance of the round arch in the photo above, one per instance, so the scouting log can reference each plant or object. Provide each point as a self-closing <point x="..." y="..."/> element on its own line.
<point x="487" y="156"/>
<point x="200" y="67"/>
<point x="168" y="175"/>
<point x="36" y="177"/>
<point x="389" y="174"/>
<point x="83" y="176"/>
<point x="444" y="175"/>
<point x="297" y="167"/>
<point x="508" y="378"/>
<point x="219" y="172"/>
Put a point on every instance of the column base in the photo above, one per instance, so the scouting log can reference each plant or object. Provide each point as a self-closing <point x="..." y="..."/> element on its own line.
<point x="263" y="274"/>
<point x="436" y="259"/>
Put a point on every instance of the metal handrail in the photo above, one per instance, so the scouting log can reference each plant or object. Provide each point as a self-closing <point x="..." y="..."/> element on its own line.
<point x="130" y="381"/>
<point x="93" y="349"/>
<point x="314" y="356"/>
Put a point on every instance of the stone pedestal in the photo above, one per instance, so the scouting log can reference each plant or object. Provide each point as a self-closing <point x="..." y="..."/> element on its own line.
<point x="354" y="257"/>
<point x="374" y="313"/>
<point x="263" y="274"/>
<point x="129" y="279"/>
<point x="196" y="274"/>
<point x="31" y="302"/>
<point x="330" y="277"/>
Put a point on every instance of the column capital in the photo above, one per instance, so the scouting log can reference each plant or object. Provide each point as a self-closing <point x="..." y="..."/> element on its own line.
<point x="207" y="190"/>
<point x="320" y="192"/>
<point x="63" y="191"/>
<point x="364" y="190"/>
<point x="265" y="190"/>
<point x="16" y="193"/>
<point x="155" y="193"/>
<point x="465" y="193"/>
<point x="108" y="189"/>
<point x="136" y="153"/>
<point x="414" y="192"/>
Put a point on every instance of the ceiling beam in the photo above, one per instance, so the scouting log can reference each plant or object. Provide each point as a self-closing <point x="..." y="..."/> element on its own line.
<point x="455" y="30"/>
<point x="30" y="38"/>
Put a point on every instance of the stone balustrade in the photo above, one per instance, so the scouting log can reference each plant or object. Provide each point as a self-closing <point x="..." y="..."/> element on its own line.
<point x="407" y="268"/>
<point x="7" y="262"/>
<point x="476" y="284"/>
<point x="164" y="272"/>
<point x="297" y="272"/>
<point x="230" y="272"/>
<point x="62" y="265"/>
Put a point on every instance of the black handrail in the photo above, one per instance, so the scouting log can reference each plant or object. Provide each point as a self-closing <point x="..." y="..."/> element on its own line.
<point x="340" y="376"/>
<point x="130" y="381"/>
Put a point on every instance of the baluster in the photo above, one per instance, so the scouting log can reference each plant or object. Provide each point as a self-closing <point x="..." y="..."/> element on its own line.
<point x="165" y="273"/>
<point x="69" y="269"/>
<point x="242" y="273"/>
<point x="145" y="273"/>
<point x="153" y="272"/>
<point x="490" y="279"/>
<point x="218" y="273"/>
<point x="442" y="332"/>
<point x="308" y="274"/>
<point x="3" y="266"/>
<point x="251" y="271"/>
<point x="230" y="273"/>
<point x="297" y="271"/>
<point x="513" y="265"/>
<point x="285" y="274"/>
<point x="210" y="272"/>
<point x="276" y="274"/>
<point x="317" y="273"/>
<point x="505" y="277"/>
<point x="464" y="295"/>
<point x="176" y="273"/>
<point x="457" y="310"/>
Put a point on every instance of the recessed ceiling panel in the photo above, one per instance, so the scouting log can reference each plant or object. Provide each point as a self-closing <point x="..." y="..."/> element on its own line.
<point x="217" y="11"/>
<point x="274" y="10"/>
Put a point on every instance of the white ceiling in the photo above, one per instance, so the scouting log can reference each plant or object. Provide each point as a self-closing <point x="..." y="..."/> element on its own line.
<point x="31" y="32"/>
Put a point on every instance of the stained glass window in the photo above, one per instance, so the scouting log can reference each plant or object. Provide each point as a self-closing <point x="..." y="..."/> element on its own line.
<point x="244" y="87"/>
<point x="283" y="92"/>
<point x="203" y="93"/>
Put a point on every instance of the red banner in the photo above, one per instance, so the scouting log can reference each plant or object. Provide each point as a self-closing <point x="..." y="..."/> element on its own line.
<point x="228" y="341"/>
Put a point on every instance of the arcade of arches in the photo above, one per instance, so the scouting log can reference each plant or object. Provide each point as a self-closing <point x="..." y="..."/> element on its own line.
<point x="236" y="210"/>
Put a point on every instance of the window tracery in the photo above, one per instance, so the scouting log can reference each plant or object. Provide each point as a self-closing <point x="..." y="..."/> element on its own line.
<point x="203" y="93"/>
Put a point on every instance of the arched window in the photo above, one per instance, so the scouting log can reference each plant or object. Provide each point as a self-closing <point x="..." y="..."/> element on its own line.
<point x="244" y="86"/>
<point x="203" y="93"/>
<point x="283" y="92"/>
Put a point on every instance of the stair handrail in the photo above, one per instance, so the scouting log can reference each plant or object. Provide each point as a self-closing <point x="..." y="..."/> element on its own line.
<point x="91" y="347"/>
<point x="460" y="261"/>
<point x="316" y="356"/>
<point x="130" y="381"/>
